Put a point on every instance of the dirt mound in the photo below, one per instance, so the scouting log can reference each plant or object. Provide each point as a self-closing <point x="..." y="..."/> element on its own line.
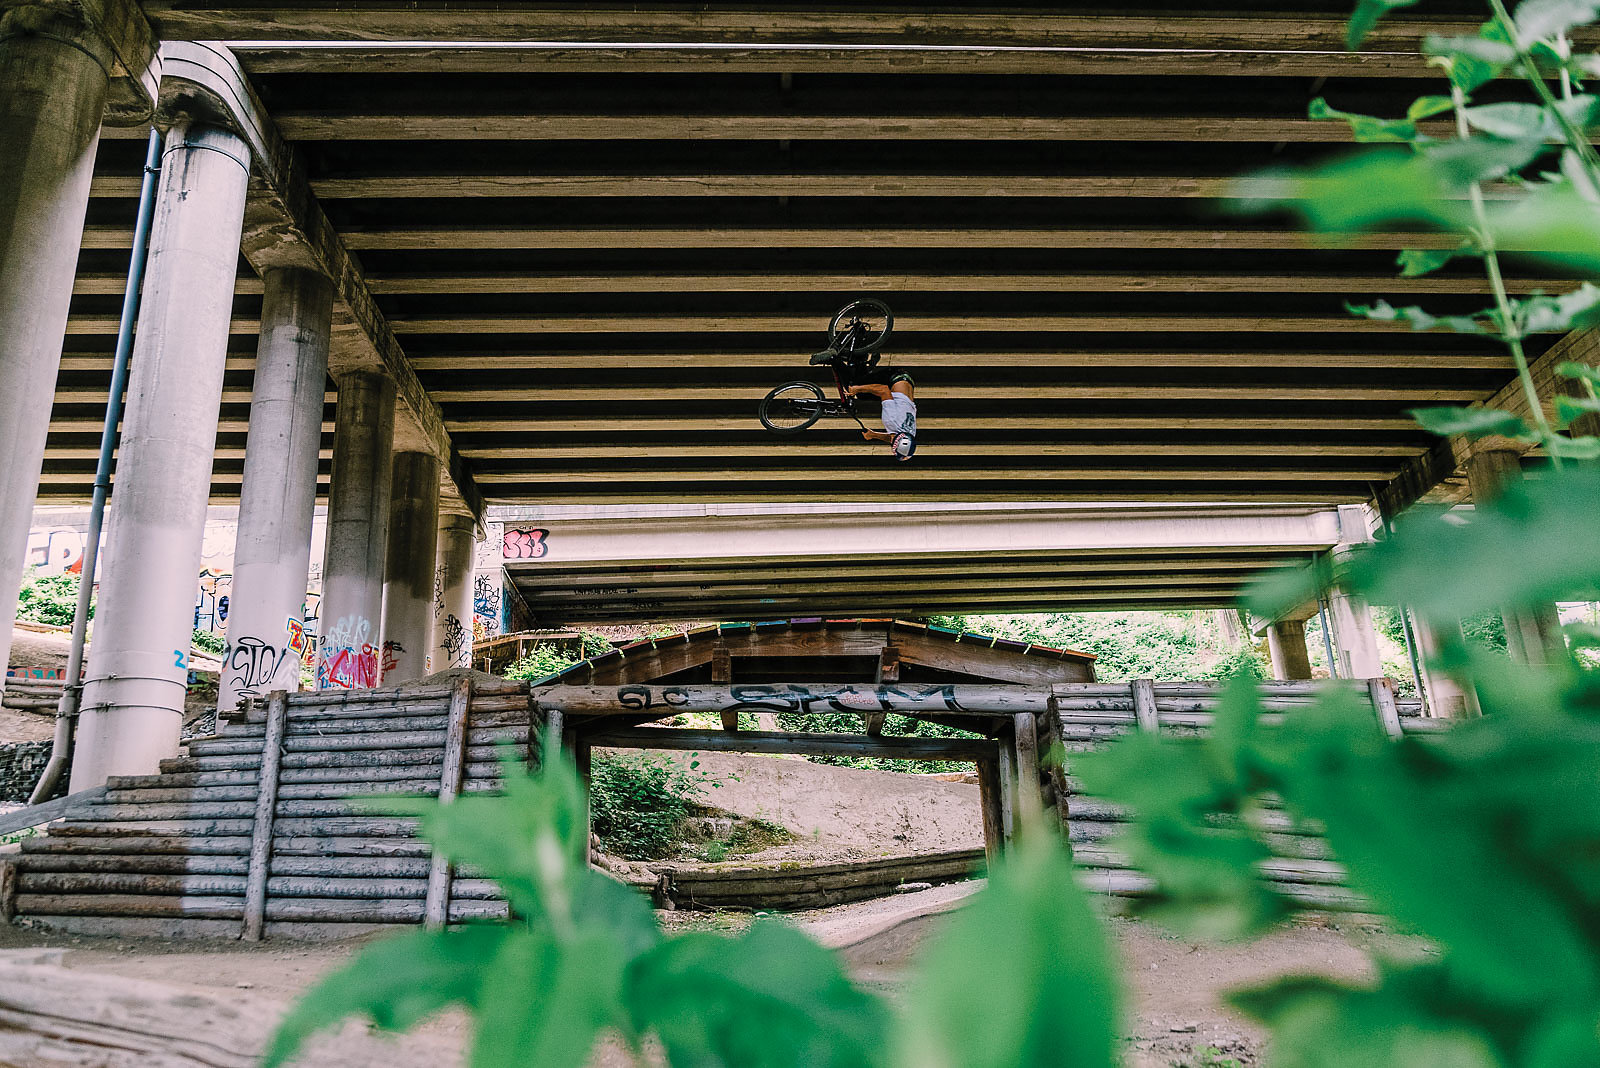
<point x="843" y="812"/>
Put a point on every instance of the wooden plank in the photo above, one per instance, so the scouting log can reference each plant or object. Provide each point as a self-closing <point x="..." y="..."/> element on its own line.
<point x="1144" y="704"/>
<point x="1055" y="757"/>
<point x="818" y="698"/>
<point x="266" y="808"/>
<point x="691" y="740"/>
<point x="722" y="674"/>
<point x="1029" y="803"/>
<point x="1006" y="753"/>
<point x="437" y="906"/>
<point x="37" y="815"/>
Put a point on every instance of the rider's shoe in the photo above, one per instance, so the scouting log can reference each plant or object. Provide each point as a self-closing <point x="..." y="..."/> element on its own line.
<point x="824" y="357"/>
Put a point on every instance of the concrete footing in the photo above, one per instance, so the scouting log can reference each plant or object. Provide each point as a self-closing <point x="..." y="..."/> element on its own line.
<point x="138" y="665"/>
<point x="1286" y="644"/>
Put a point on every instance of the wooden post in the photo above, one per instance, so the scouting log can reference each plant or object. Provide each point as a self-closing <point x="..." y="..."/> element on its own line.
<point x="436" y="908"/>
<point x="582" y="757"/>
<point x="555" y="728"/>
<point x="1029" y="803"/>
<point x="1382" y="693"/>
<point x="888" y="671"/>
<point x="1144" y="705"/>
<point x="1055" y="757"/>
<point x="994" y="835"/>
<point x="722" y="672"/>
<point x="1007" y="754"/>
<point x="260" y="864"/>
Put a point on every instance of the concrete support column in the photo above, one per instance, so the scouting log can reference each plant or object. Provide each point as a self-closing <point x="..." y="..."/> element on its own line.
<point x="1533" y="632"/>
<point x="138" y="663"/>
<point x="271" y="558"/>
<point x="452" y="585"/>
<point x="358" y="533"/>
<point x="53" y="96"/>
<point x="1355" y="640"/>
<point x="409" y="566"/>
<point x="1446" y="699"/>
<point x="1286" y="643"/>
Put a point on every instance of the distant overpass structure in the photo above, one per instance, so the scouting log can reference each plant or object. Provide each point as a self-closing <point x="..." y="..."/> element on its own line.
<point x="629" y="563"/>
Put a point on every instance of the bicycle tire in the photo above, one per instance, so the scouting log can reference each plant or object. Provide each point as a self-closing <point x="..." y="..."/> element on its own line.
<point x="858" y="309"/>
<point x="779" y="413"/>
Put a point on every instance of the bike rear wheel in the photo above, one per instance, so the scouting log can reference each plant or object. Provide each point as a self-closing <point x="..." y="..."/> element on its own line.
<point x="875" y="318"/>
<point x="792" y="407"/>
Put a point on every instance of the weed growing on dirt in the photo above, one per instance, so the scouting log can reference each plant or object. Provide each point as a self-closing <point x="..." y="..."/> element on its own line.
<point x="640" y="802"/>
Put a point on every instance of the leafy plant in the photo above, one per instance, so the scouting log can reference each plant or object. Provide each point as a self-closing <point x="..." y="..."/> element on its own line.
<point x="540" y="663"/>
<point x="51" y="599"/>
<point x="583" y="958"/>
<point x="205" y="641"/>
<point x="639" y="802"/>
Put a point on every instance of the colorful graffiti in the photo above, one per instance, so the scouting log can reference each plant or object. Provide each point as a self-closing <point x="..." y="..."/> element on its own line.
<point x="486" y="596"/>
<point x="211" y="602"/>
<point x="55" y="551"/>
<point x="346" y="659"/>
<point x="392" y="651"/>
<point x="527" y="543"/>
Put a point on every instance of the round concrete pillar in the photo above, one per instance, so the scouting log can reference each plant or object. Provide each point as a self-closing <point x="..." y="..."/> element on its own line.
<point x="138" y="664"/>
<point x="1286" y="644"/>
<point x="271" y="558"/>
<point x="409" y="566"/>
<point x="50" y="109"/>
<point x="452" y="608"/>
<point x="358" y="532"/>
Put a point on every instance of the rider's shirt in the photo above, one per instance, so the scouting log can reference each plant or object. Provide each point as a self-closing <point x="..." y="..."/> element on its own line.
<point x="900" y="414"/>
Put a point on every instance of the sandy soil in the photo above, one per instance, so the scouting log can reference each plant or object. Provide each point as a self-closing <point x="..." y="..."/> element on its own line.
<point x="1175" y="1008"/>
<point x="839" y="813"/>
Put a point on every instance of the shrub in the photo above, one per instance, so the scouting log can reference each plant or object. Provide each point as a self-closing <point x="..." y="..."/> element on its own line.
<point x="639" y="801"/>
<point x="207" y="642"/>
<point x="545" y="660"/>
<point x="51" y="599"/>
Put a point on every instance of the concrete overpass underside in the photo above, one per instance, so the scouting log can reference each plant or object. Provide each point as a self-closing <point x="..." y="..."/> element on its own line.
<point x="602" y="565"/>
<point x="600" y="234"/>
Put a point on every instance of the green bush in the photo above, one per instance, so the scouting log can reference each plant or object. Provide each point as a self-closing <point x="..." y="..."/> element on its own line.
<point x="893" y="726"/>
<point x="51" y="599"/>
<point x="543" y="661"/>
<point x="639" y="802"/>
<point x="207" y="642"/>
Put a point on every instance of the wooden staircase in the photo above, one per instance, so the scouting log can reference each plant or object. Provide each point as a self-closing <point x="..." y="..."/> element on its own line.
<point x="173" y="853"/>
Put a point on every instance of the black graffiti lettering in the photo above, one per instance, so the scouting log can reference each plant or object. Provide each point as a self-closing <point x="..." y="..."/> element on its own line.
<point x="251" y="663"/>
<point x="675" y="696"/>
<point x="634" y="698"/>
<point x="762" y="699"/>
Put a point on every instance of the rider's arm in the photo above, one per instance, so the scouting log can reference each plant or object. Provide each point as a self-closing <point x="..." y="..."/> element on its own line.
<point x="876" y="435"/>
<point x="871" y="389"/>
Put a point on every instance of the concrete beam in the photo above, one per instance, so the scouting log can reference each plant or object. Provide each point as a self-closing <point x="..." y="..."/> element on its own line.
<point x="115" y="32"/>
<point x="285" y="227"/>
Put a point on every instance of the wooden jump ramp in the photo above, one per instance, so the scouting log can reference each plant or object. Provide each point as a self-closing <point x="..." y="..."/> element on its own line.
<point x="253" y="832"/>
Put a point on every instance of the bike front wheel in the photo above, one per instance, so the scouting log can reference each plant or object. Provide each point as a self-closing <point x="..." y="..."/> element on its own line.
<point x="873" y="320"/>
<point x="792" y="407"/>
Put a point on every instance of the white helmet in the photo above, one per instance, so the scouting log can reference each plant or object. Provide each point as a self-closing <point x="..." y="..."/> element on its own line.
<point x="905" y="446"/>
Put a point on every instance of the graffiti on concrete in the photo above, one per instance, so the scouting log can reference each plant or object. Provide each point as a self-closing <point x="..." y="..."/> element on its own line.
<point x="525" y="543"/>
<point x="211" y="602"/>
<point x="457" y="643"/>
<point x="249" y="665"/>
<point x="440" y="574"/>
<point x="346" y="659"/>
<point x="55" y="551"/>
<point x="485" y="604"/>
<point x="392" y="651"/>
<point x="298" y="638"/>
<point x="35" y="673"/>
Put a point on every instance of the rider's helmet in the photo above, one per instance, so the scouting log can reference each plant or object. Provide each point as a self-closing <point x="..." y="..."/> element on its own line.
<point x="905" y="446"/>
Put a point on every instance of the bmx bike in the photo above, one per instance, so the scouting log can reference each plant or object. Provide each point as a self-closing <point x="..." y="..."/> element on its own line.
<point x="856" y="333"/>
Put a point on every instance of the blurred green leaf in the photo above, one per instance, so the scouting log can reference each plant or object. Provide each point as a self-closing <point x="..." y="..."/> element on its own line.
<point x="1366" y="16"/>
<point x="1570" y="409"/>
<point x="1047" y="997"/>
<point x="771" y="998"/>
<point x="1574" y="448"/>
<point x="1511" y="120"/>
<point x="1274" y="593"/>
<point x="1470" y="423"/>
<point x="1554" y="225"/>
<point x="1383" y="311"/>
<point x="1317" y="1023"/>
<point x="546" y="1001"/>
<point x="1580" y="371"/>
<point x="1473" y="61"/>
<point x="1536" y="20"/>
<point x="1366" y="128"/>
<point x="1415" y="262"/>
<point x="396" y="982"/>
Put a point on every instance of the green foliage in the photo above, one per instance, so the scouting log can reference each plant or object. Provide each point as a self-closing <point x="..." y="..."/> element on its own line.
<point x="583" y="957"/>
<point x="639" y="802"/>
<point x="594" y="644"/>
<point x="893" y="726"/>
<point x="207" y="642"/>
<point x="541" y="662"/>
<point x="51" y="599"/>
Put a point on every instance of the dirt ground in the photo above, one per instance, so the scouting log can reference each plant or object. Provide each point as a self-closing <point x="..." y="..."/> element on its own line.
<point x="842" y="813"/>
<point x="1175" y="1007"/>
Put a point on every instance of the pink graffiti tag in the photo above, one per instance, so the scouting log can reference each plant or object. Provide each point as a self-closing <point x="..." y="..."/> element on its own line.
<point x="524" y="544"/>
<point x="347" y="669"/>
